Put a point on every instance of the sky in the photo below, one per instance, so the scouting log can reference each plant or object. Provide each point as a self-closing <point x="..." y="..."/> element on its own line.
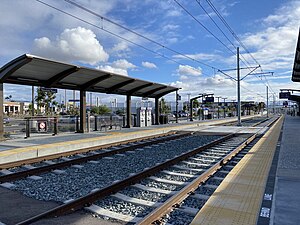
<point x="175" y="42"/>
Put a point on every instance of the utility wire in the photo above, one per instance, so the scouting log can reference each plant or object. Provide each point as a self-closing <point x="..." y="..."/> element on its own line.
<point x="138" y="34"/>
<point x="116" y="35"/>
<point x="230" y="29"/>
<point x="244" y="60"/>
<point x="236" y="37"/>
<point x="201" y="24"/>
<point x="132" y="42"/>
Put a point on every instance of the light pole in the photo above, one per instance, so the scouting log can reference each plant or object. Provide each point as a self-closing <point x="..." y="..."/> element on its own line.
<point x="188" y="107"/>
<point x="224" y="107"/>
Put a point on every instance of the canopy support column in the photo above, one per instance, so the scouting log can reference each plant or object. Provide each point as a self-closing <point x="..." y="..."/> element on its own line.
<point x="128" y="111"/>
<point x="156" y="111"/>
<point x="1" y="112"/>
<point x="82" y="111"/>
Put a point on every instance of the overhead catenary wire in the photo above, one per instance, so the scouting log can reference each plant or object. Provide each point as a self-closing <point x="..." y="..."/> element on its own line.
<point x="138" y="34"/>
<point x="230" y="29"/>
<point x="127" y="40"/>
<point x="114" y="34"/>
<point x="201" y="24"/>
<point x="236" y="37"/>
<point x="220" y="29"/>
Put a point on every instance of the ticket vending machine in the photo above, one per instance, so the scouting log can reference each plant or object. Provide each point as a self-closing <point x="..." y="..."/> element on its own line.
<point x="141" y="117"/>
<point x="148" y="116"/>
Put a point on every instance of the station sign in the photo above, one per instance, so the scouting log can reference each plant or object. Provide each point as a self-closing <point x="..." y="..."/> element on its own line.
<point x="284" y="95"/>
<point x="42" y="126"/>
<point x="74" y="100"/>
<point x="209" y="99"/>
<point x="52" y="90"/>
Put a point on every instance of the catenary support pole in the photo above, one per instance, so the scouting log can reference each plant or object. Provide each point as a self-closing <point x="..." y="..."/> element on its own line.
<point x="238" y="88"/>
<point x="1" y="112"/>
<point x="267" y="101"/>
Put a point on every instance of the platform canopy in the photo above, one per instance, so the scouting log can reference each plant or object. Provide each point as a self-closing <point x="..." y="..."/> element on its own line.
<point x="37" y="71"/>
<point x="296" y="69"/>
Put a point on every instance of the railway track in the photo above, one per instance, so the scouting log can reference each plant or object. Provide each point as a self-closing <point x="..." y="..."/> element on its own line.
<point x="26" y="169"/>
<point x="163" y="179"/>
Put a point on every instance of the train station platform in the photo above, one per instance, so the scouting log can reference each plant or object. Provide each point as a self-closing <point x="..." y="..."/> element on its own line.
<point x="262" y="188"/>
<point x="39" y="146"/>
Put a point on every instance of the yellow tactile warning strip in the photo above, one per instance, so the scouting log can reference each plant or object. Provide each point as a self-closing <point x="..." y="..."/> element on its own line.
<point x="238" y="199"/>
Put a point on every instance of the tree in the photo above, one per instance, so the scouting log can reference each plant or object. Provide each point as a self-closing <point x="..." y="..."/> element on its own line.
<point x="196" y="103"/>
<point x="45" y="99"/>
<point x="100" y="110"/>
<point x="164" y="108"/>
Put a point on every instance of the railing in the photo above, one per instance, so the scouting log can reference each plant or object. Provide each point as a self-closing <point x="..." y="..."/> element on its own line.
<point x="39" y="125"/>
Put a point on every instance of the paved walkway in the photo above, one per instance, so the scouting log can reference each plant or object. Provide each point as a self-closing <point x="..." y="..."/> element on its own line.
<point x="286" y="205"/>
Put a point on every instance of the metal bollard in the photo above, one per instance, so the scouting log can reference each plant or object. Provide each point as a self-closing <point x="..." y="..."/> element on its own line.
<point x="96" y="123"/>
<point x="55" y="126"/>
<point x="27" y="128"/>
<point x="77" y="124"/>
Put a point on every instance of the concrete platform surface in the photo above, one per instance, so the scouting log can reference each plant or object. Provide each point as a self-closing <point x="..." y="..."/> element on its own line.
<point x="286" y="204"/>
<point x="21" y="149"/>
<point x="238" y="198"/>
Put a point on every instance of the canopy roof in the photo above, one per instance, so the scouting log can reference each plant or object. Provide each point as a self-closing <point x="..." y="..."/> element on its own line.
<point x="296" y="69"/>
<point x="37" y="71"/>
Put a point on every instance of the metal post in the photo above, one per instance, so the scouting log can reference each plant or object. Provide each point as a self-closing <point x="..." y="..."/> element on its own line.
<point x="128" y="111"/>
<point x="88" y="122"/>
<point x="55" y="125"/>
<point x="32" y="101"/>
<point x="267" y="101"/>
<point x="1" y="112"/>
<point x="218" y="107"/>
<point x="176" y="116"/>
<point x="96" y="123"/>
<point x="224" y="107"/>
<point x="191" y="110"/>
<point x="188" y="104"/>
<point x="156" y="111"/>
<point x="274" y="104"/>
<point x="82" y="111"/>
<point x="238" y="88"/>
<point x="27" y="128"/>
<point x="91" y="100"/>
<point x="66" y="106"/>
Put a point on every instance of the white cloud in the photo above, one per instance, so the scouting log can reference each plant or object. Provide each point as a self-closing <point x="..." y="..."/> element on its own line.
<point x="119" y="66"/>
<point x="149" y="65"/>
<point x="189" y="70"/>
<point x="123" y="64"/>
<point x="111" y="69"/>
<point x="274" y="46"/>
<point x="77" y="44"/>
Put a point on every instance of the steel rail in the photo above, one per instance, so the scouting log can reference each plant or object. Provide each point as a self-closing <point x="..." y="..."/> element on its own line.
<point x="42" y="169"/>
<point x="78" y="151"/>
<point x="106" y="191"/>
<point x="171" y="203"/>
<point x="176" y="199"/>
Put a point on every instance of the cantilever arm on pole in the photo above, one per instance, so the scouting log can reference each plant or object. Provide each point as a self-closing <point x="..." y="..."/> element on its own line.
<point x="250" y="73"/>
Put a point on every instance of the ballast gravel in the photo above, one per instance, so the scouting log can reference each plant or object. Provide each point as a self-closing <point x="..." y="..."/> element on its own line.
<point x="75" y="183"/>
<point x="145" y="195"/>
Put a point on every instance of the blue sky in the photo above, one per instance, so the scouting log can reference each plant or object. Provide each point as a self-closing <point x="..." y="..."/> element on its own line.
<point x="269" y="30"/>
